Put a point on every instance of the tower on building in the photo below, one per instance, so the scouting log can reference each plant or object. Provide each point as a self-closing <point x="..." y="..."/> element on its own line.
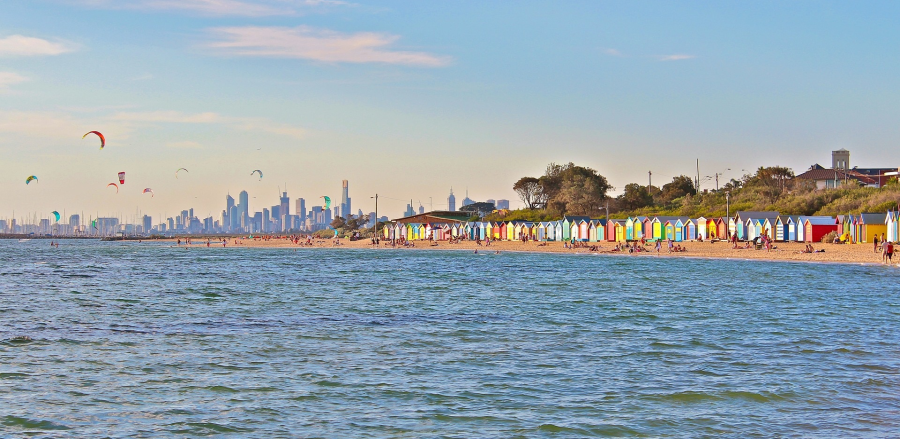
<point x="840" y="159"/>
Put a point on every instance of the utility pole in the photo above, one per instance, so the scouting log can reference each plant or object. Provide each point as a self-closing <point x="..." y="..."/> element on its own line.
<point x="649" y="179"/>
<point x="727" y="206"/>
<point x="697" y="181"/>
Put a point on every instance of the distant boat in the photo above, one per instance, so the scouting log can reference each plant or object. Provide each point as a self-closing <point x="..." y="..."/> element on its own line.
<point x="25" y="240"/>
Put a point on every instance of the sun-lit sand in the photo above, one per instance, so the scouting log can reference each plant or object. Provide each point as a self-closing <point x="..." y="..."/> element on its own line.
<point x="842" y="253"/>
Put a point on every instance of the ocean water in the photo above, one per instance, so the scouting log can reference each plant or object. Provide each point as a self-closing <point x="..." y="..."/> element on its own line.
<point x="131" y="340"/>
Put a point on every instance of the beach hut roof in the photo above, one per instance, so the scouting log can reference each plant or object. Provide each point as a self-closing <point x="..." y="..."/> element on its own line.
<point x="576" y="218"/>
<point x="745" y="214"/>
<point x="872" y="218"/>
<point x="819" y="220"/>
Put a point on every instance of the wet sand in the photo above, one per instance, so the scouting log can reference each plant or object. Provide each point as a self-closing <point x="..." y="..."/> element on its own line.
<point x="783" y="251"/>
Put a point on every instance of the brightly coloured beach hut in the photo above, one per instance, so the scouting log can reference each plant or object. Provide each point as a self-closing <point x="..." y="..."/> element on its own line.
<point x="871" y="225"/>
<point x="817" y="227"/>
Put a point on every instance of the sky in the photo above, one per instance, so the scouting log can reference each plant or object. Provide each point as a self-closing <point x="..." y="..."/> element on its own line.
<point x="411" y="99"/>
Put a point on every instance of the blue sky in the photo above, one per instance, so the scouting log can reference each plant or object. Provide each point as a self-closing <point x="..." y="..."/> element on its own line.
<point x="411" y="98"/>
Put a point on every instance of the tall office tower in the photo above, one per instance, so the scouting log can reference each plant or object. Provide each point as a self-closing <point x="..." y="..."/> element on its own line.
<point x="191" y="212"/>
<point x="265" y="221"/>
<point x="74" y="220"/>
<point x="285" y="205"/>
<point x="185" y="218"/>
<point x="229" y="203"/>
<point x="243" y="198"/>
<point x="3" y="226"/>
<point x="179" y="223"/>
<point x="409" y="210"/>
<point x="301" y="210"/>
<point x="421" y="209"/>
<point x="225" y="221"/>
<point x="148" y="223"/>
<point x="467" y="201"/>
<point x="490" y="201"/>
<point x="345" y="200"/>
<point x="275" y="211"/>
<point x="235" y="219"/>
<point x="502" y="204"/>
<point x="171" y="224"/>
<point x="451" y="201"/>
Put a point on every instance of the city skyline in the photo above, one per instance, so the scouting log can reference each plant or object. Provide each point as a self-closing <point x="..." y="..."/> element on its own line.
<point x="224" y="88"/>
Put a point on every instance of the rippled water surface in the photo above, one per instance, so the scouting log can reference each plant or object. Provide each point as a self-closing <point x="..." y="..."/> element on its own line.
<point x="133" y="340"/>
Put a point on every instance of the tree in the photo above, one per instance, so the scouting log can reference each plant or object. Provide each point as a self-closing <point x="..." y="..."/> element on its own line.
<point x="583" y="193"/>
<point x="770" y="182"/>
<point x="530" y="191"/>
<point x="635" y="197"/>
<point x="680" y="186"/>
<point x="338" y="223"/>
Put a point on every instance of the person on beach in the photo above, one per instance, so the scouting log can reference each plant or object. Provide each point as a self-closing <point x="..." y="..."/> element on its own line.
<point x="658" y="246"/>
<point x="887" y="252"/>
<point x="875" y="243"/>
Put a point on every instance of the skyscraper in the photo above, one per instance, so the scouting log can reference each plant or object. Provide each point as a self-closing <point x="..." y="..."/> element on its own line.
<point x="285" y="205"/>
<point x="345" y="199"/>
<point x="243" y="198"/>
<point x="467" y="201"/>
<point x="451" y="201"/>
<point x="148" y="223"/>
<point x="502" y="204"/>
<point x="300" y="210"/>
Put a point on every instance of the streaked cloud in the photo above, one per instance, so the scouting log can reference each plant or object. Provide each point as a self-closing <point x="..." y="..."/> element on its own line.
<point x="243" y="8"/>
<point x="10" y="78"/>
<point x="676" y="57"/>
<point x="167" y="116"/>
<point x="60" y="124"/>
<point x="303" y="42"/>
<point x="20" y="45"/>
<point x="612" y="52"/>
<point x="184" y="144"/>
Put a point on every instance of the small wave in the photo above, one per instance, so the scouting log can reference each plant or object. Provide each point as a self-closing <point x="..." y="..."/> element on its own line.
<point x="560" y="429"/>
<point x="15" y="421"/>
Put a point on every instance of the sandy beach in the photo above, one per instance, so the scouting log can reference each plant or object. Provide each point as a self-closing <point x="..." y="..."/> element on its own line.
<point x="783" y="251"/>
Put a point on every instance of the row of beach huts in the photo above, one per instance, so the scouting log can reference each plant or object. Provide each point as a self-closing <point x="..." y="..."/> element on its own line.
<point x="746" y="225"/>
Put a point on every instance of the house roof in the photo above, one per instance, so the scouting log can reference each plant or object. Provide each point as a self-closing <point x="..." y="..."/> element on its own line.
<point x="836" y="174"/>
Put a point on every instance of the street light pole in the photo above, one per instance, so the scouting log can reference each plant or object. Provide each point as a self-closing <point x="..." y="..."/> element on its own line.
<point x="375" y="227"/>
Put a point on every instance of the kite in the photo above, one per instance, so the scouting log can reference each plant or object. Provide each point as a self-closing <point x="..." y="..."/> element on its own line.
<point x="327" y="202"/>
<point x="121" y="178"/>
<point x="94" y="224"/>
<point x="257" y="171"/>
<point x="185" y="170"/>
<point x="114" y="185"/>
<point x="100" y="135"/>
<point x="146" y="190"/>
<point x="28" y="180"/>
<point x="56" y="214"/>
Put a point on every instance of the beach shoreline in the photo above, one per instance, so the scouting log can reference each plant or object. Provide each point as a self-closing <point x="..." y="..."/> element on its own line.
<point x="783" y="251"/>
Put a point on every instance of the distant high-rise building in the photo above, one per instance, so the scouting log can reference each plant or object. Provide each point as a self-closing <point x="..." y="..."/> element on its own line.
<point x="451" y="201"/>
<point x="235" y="219"/>
<point x="409" y="209"/>
<point x="503" y="204"/>
<point x="147" y="222"/>
<point x="285" y="205"/>
<point x="490" y="201"/>
<point x="345" y="200"/>
<point x="467" y="201"/>
<point x="75" y="220"/>
<point x="265" y="221"/>
<point x="421" y="209"/>
<point x="171" y="224"/>
<point x="337" y="211"/>
<point x="301" y="210"/>
<point x="229" y="202"/>
<point x="244" y="200"/>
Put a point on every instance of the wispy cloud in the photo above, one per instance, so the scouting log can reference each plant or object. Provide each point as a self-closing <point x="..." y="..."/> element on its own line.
<point x="676" y="57"/>
<point x="167" y="116"/>
<point x="144" y="77"/>
<point x="244" y="8"/>
<point x="20" y="45"/>
<point x="68" y="125"/>
<point x="304" y="42"/>
<point x="184" y="144"/>
<point x="612" y="52"/>
<point x="10" y="78"/>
